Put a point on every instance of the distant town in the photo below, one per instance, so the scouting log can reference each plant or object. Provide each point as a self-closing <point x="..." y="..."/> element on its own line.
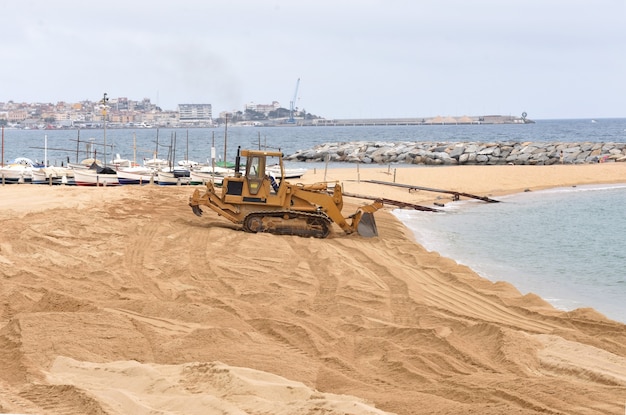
<point x="126" y="113"/>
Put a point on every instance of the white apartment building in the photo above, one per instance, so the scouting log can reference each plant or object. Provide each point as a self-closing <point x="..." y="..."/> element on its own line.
<point x="263" y="108"/>
<point x="195" y="113"/>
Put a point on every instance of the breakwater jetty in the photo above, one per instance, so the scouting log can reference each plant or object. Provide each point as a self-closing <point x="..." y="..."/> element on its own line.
<point x="463" y="153"/>
<point x="438" y="120"/>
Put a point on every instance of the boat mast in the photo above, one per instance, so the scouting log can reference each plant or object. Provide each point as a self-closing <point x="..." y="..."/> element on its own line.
<point x="225" y="139"/>
<point x="212" y="156"/>
<point x="134" y="148"/>
<point x="104" y="101"/>
<point x="77" y="145"/>
<point x="174" y="152"/>
<point x="156" y="149"/>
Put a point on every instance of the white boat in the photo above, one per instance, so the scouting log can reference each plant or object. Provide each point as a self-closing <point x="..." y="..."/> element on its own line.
<point x="155" y="163"/>
<point x="204" y="177"/>
<point x="53" y="175"/>
<point x="84" y="164"/>
<point x="290" y="173"/>
<point x="119" y="163"/>
<point x="222" y="171"/>
<point x="104" y="176"/>
<point x="169" y="177"/>
<point x="19" y="170"/>
<point x="136" y="175"/>
<point x="187" y="164"/>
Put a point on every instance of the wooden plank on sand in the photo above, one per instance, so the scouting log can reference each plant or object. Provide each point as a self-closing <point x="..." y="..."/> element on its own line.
<point x="456" y="194"/>
<point x="393" y="202"/>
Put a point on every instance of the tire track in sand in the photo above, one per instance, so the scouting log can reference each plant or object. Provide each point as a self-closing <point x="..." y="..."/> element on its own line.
<point x="62" y="400"/>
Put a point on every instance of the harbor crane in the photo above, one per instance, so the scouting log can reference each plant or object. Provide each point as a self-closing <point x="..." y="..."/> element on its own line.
<point x="292" y="104"/>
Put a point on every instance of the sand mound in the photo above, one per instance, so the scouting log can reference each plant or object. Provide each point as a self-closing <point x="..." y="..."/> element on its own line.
<point x="200" y="388"/>
<point x="122" y="301"/>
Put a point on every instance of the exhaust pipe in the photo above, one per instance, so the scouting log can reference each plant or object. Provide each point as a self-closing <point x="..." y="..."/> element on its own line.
<point x="237" y="161"/>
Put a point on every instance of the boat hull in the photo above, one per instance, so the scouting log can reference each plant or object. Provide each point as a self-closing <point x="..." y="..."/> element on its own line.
<point x="290" y="173"/>
<point x="93" y="178"/>
<point x="201" y="177"/>
<point x="173" y="179"/>
<point x="53" y="175"/>
<point x="135" y="177"/>
<point x="16" y="174"/>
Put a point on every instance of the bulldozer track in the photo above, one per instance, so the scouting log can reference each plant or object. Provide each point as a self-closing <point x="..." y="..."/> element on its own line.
<point x="10" y="401"/>
<point x="62" y="400"/>
<point x="288" y="222"/>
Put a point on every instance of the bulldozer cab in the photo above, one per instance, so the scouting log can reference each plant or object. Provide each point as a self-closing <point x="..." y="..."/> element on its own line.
<point x="255" y="172"/>
<point x="255" y="184"/>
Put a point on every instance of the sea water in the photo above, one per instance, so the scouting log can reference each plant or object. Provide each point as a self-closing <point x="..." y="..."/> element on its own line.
<point x="566" y="245"/>
<point x="196" y="143"/>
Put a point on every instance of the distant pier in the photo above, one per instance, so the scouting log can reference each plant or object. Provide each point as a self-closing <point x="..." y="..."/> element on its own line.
<point x="439" y="120"/>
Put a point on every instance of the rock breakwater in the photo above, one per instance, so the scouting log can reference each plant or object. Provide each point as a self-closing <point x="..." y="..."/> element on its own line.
<point x="462" y="153"/>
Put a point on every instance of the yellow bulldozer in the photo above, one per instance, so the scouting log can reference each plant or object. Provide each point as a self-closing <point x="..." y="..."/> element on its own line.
<point x="261" y="202"/>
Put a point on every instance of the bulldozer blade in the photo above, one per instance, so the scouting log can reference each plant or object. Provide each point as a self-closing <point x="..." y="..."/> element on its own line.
<point x="196" y="210"/>
<point x="367" y="225"/>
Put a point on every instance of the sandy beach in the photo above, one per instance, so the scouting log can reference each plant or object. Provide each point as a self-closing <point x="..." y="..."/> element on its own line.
<point x="119" y="300"/>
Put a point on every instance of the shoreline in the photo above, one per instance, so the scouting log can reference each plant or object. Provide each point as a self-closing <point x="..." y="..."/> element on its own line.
<point x="449" y="237"/>
<point x="122" y="291"/>
<point x="491" y="181"/>
<point x="569" y="178"/>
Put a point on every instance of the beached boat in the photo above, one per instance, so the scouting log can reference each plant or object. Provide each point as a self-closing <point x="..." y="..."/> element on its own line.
<point x="84" y="164"/>
<point x="290" y="173"/>
<point x="223" y="171"/>
<point x="168" y="177"/>
<point x="202" y="174"/>
<point x="156" y="163"/>
<point x="225" y="164"/>
<point x="53" y="175"/>
<point x="96" y="176"/>
<point x="204" y="177"/>
<point x="120" y="163"/>
<point x="19" y="170"/>
<point x="187" y="164"/>
<point x="136" y="175"/>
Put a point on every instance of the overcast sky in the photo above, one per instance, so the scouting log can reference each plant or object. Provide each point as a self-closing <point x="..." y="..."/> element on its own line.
<point x="354" y="58"/>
